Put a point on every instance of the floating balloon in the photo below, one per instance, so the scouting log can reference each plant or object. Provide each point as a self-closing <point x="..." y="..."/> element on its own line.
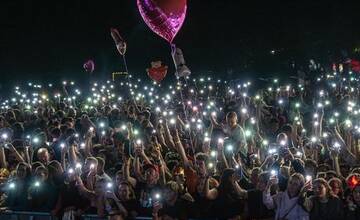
<point x="89" y="66"/>
<point x="164" y="17"/>
<point x="355" y="65"/>
<point x="157" y="72"/>
<point x="119" y="41"/>
<point x="181" y="69"/>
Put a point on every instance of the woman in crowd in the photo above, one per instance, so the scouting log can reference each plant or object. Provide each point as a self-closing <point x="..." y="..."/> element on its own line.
<point x="286" y="204"/>
<point x="324" y="204"/>
<point x="144" y="156"/>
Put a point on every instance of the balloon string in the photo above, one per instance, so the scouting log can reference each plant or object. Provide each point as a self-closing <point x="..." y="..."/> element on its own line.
<point x="173" y="51"/>
<point x="128" y="76"/>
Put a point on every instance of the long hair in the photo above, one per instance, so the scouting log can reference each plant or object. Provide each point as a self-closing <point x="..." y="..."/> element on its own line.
<point x="132" y="192"/>
<point x="226" y="188"/>
<point x="337" y="180"/>
<point x="322" y="181"/>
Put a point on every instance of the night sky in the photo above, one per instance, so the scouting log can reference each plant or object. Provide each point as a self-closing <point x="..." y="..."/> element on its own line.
<point x="51" y="40"/>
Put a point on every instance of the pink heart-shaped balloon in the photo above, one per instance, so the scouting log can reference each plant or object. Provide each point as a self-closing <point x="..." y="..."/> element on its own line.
<point x="164" y="17"/>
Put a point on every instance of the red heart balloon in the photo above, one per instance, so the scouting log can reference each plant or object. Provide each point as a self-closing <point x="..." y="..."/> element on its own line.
<point x="164" y="17"/>
<point x="157" y="73"/>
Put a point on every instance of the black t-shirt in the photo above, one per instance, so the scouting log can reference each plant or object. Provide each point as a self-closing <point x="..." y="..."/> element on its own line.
<point x="180" y="210"/>
<point x="202" y="207"/>
<point x="228" y="206"/>
<point x="256" y="207"/>
<point x="70" y="196"/>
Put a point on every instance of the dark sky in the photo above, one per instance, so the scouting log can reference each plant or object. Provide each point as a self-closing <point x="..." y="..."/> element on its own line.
<point x="52" y="39"/>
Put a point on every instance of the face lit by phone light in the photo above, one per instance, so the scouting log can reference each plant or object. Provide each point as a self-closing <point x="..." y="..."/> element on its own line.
<point x="231" y="119"/>
<point x="124" y="192"/>
<point x="43" y="155"/>
<point x="282" y="139"/>
<point x="151" y="176"/>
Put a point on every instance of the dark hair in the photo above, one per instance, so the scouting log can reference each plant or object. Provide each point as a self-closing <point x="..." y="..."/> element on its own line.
<point x="286" y="128"/>
<point x="231" y="114"/>
<point x="202" y="157"/>
<point x="226" y="188"/>
<point x="101" y="162"/>
<point x="55" y="132"/>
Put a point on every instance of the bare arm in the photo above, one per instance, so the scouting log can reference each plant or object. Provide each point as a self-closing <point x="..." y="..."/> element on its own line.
<point x="168" y="138"/>
<point x="181" y="150"/>
<point x="18" y="157"/>
<point x="72" y="155"/>
<point x="3" y="162"/>
<point x="126" y="171"/>
<point x="88" y="143"/>
<point x="210" y="194"/>
<point x="240" y="191"/>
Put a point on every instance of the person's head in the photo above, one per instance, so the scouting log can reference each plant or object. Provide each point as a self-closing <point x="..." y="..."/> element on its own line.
<point x="43" y="156"/>
<point x="321" y="188"/>
<point x="22" y="170"/>
<point x="254" y="176"/>
<point x="125" y="191"/>
<point x="356" y="170"/>
<point x="330" y="174"/>
<point x="55" y="171"/>
<point x="200" y="164"/>
<point x="231" y="119"/>
<point x="171" y="191"/>
<point x="41" y="173"/>
<point x="101" y="165"/>
<point x="336" y="186"/>
<point x="151" y="174"/>
<point x="91" y="163"/>
<point x="119" y="177"/>
<point x="226" y="181"/>
<point x="282" y="139"/>
<point x="55" y="133"/>
<point x="178" y="174"/>
<point x="295" y="183"/>
<point x="355" y="193"/>
<point x="72" y="113"/>
<point x="263" y="181"/>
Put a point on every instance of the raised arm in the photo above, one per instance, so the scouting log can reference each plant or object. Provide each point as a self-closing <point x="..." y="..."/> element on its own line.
<point x="210" y="194"/>
<point x="18" y="157"/>
<point x="3" y="162"/>
<point x="126" y="171"/>
<point x="180" y="149"/>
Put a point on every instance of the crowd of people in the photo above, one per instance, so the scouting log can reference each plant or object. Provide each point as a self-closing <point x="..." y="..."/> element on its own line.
<point x="201" y="148"/>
